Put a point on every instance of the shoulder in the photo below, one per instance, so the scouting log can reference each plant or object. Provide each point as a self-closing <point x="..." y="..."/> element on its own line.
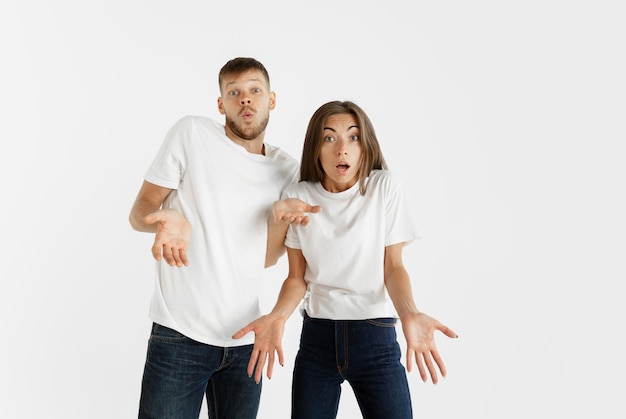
<point x="193" y="121"/>
<point x="292" y="189"/>
<point x="191" y="128"/>
<point x="298" y="188"/>
<point x="386" y="183"/>
<point x="278" y="153"/>
<point x="384" y="178"/>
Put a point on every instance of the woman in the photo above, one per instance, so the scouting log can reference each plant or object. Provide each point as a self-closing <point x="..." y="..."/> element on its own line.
<point x="345" y="261"/>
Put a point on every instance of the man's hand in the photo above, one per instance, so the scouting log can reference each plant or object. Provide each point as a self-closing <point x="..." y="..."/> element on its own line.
<point x="293" y="211"/>
<point x="172" y="236"/>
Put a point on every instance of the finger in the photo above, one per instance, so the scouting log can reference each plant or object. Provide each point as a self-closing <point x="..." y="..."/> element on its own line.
<point x="420" y="367"/>
<point x="183" y="256"/>
<point x="314" y="209"/>
<point x="157" y="247"/>
<point x="270" y="365"/>
<point x="167" y="255"/>
<point x="448" y="332"/>
<point x="431" y="368"/>
<point x="281" y="219"/>
<point x="296" y="220"/>
<point x="281" y="357"/>
<point x="409" y="360"/>
<point x="439" y="363"/>
<point x="253" y="359"/>
<point x="242" y="332"/>
<point x="259" y="367"/>
<point x="176" y="257"/>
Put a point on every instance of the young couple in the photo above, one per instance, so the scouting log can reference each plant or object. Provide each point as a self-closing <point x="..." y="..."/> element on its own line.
<point x="224" y="204"/>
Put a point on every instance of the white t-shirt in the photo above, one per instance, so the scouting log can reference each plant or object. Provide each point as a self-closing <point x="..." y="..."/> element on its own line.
<point x="226" y="194"/>
<point x="344" y="246"/>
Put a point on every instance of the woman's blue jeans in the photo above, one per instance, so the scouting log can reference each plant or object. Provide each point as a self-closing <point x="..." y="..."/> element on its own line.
<point x="179" y="372"/>
<point x="363" y="352"/>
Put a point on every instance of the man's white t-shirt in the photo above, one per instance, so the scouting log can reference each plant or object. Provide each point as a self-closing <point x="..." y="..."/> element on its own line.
<point x="226" y="194"/>
<point x="344" y="246"/>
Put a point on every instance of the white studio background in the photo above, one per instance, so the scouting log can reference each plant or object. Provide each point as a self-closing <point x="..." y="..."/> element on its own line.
<point x="505" y="120"/>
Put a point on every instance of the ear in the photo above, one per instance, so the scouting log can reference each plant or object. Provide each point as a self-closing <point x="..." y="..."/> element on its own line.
<point x="272" y="101"/>
<point x="220" y="105"/>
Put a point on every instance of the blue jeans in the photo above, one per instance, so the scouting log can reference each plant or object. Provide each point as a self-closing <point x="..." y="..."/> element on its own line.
<point x="179" y="372"/>
<point x="363" y="352"/>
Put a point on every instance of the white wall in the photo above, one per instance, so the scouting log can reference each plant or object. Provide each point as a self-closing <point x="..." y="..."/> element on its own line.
<point x="504" y="119"/>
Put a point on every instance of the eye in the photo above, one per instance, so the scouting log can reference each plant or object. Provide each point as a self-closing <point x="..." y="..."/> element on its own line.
<point x="256" y="90"/>
<point x="328" y="139"/>
<point x="233" y="93"/>
<point x="354" y="137"/>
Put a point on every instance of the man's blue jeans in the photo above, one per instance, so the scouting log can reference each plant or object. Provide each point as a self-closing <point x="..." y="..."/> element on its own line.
<point x="180" y="371"/>
<point x="363" y="352"/>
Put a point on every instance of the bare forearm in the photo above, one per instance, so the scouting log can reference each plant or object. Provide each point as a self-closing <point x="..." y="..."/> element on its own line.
<point x="291" y="293"/>
<point x="149" y="200"/>
<point x="399" y="289"/>
<point x="275" y="241"/>
<point x="140" y="209"/>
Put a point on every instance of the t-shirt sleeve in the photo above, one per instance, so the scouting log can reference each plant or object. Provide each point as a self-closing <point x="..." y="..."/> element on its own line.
<point x="168" y="167"/>
<point x="399" y="223"/>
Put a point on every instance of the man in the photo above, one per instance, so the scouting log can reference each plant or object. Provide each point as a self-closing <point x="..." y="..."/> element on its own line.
<point x="207" y="196"/>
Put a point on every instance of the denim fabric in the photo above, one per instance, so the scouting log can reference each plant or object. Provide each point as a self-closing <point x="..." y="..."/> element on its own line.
<point x="363" y="352"/>
<point x="180" y="371"/>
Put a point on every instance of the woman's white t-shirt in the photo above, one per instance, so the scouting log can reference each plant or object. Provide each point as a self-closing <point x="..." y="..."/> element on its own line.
<point x="344" y="246"/>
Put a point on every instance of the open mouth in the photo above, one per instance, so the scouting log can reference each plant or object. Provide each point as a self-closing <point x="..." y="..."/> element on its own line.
<point x="343" y="167"/>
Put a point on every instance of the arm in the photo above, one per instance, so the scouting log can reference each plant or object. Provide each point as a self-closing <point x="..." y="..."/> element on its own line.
<point x="418" y="328"/>
<point x="268" y="329"/>
<point x="276" y="233"/>
<point x="285" y="212"/>
<point x="172" y="229"/>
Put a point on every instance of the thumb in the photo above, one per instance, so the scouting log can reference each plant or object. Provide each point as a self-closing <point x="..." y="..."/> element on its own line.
<point x="242" y="332"/>
<point x="311" y="208"/>
<point x="448" y="332"/>
<point x="152" y="218"/>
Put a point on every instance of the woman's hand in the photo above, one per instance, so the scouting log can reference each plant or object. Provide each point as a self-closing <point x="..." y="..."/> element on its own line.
<point x="419" y="332"/>
<point x="293" y="211"/>
<point x="268" y="334"/>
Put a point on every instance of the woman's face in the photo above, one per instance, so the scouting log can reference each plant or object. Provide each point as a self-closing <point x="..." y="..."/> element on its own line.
<point x="340" y="152"/>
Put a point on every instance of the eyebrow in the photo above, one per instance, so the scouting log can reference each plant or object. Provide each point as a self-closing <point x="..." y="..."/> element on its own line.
<point x="349" y="128"/>
<point x="249" y="80"/>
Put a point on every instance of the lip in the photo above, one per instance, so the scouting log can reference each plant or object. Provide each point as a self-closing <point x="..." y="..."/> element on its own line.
<point x="246" y="113"/>
<point x="342" y="167"/>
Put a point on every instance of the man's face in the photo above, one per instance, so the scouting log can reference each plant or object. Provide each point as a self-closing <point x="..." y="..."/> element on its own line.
<point x="246" y="102"/>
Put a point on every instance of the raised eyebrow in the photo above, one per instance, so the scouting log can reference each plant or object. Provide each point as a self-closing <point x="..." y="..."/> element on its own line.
<point x="349" y="128"/>
<point x="247" y="81"/>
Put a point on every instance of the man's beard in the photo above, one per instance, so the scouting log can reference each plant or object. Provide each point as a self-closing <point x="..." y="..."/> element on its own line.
<point x="249" y="133"/>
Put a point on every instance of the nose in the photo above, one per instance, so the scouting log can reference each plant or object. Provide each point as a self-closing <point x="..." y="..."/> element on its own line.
<point x="342" y="147"/>
<point x="245" y="100"/>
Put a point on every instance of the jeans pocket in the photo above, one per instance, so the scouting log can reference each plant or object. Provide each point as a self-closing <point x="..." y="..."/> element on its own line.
<point x="383" y="321"/>
<point x="306" y="318"/>
<point x="165" y="334"/>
